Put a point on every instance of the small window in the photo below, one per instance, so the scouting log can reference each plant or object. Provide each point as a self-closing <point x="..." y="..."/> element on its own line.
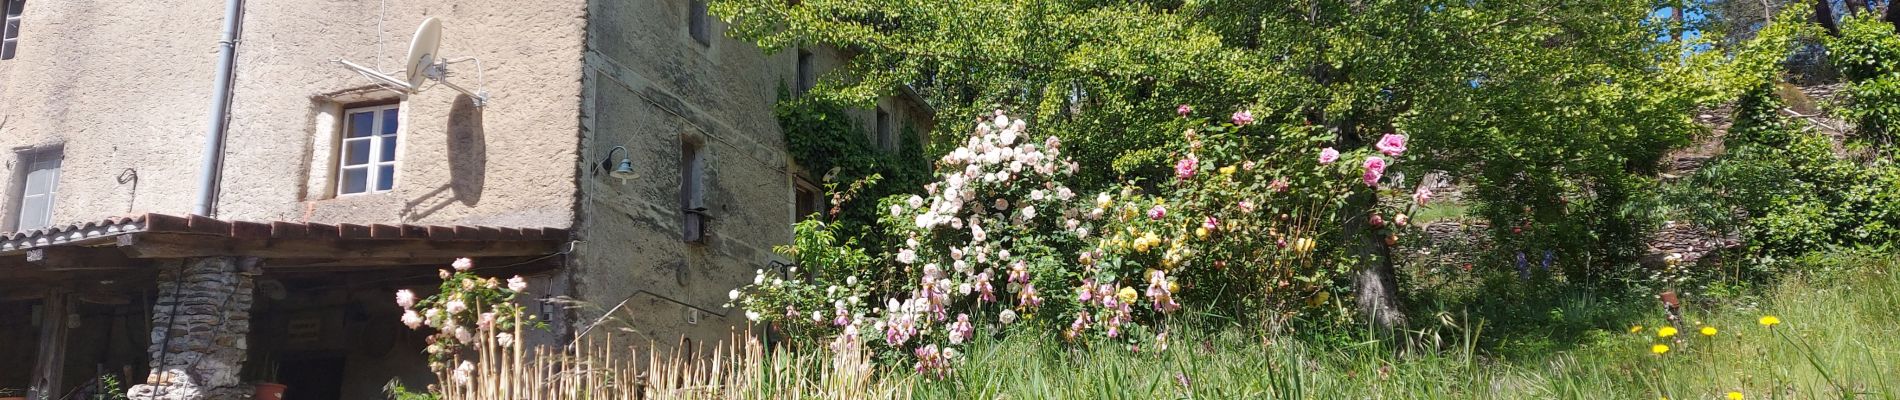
<point x="38" y="188"/>
<point x="886" y="139"/>
<point x="10" y="38"/>
<point x="368" y="150"/>
<point x="700" y="24"/>
<point x="693" y="191"/>
<point x="807" y="78"/>
<point x="809" y="200"/>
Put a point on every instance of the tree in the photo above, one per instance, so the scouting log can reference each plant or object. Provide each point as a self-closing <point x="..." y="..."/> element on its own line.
<point x="1552" y="109"/>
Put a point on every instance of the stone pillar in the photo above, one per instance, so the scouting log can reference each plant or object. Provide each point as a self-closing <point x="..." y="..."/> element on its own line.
<point x="199" y="327"/>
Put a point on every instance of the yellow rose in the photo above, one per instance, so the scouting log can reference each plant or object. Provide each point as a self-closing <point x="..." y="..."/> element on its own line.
<point x="1227" y="170"/>
<point x="1200" y="232"/>
<point x="1127" y="294"/>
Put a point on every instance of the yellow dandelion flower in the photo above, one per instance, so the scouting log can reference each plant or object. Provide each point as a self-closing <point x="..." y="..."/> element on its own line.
<point x="1708" y="331"/>
<point x="1769" y="321"/>
<point x="1636" y="328"/>
<point x="1659" y="349"/>
<point x="1666" y="331"/>
<point x="1734" y="395"/>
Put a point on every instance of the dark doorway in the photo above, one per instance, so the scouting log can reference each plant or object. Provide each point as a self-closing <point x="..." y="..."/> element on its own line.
<point x="312" y="378"/>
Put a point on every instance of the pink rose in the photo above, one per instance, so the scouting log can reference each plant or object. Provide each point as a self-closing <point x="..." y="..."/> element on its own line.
<point x="1243" y="118"/>
<point x="1375" y="169"/>
<point x="1184" y="169"/>
<point x="1328" y="155"/>
<point x="1183" y="110"/>
<point x="1391" y="145"/>
<point x="1422" y="195"/>
<point x="1157" y="212"/>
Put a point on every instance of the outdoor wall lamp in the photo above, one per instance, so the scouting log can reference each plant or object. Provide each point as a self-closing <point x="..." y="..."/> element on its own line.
<point x="623" y="170"/>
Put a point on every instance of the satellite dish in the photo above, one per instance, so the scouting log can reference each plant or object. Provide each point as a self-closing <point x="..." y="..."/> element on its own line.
<point x="422" y="51"/>
<point x="422" y="64"/>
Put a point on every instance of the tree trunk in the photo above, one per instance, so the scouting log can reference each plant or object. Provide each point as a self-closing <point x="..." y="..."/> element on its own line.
<point x="1824" y="15"/>
<point x="1375" y="281"/>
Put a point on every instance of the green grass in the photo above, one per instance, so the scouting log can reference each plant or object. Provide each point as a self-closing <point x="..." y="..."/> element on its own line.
<point x="1840" y="338"/>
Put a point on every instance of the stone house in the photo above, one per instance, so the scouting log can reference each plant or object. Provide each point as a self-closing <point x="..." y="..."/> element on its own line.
<point x="323" y="192"/>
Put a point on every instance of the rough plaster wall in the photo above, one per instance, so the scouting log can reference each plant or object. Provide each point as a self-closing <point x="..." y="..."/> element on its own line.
<point x="125" y="85"/>
<point x="651" y="85"/>
<point x="506" y="164"/>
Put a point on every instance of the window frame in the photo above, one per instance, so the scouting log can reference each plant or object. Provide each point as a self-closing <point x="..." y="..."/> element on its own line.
<point x="800" y="186"/>
<point x="10" y="32"/>
<point x="377" y="138"/>
<point x="29" y="162"/>
<point x="692" y="199"/>
<point x="807" y="77"/>
<point x="886" y="133"/>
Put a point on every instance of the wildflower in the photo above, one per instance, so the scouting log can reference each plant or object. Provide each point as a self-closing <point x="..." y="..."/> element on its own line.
<point x="405" y="298"/>
<point x="1007" y="316"/>
<point x="1391" y="145"/>
<point x="1734" y="395"/>
<point x="1769" y="321"/>
<point x="517" y="283"/>
<point x="505" y="339"/>
<point x="1659" y="349"/>
<point x="1666" y="331"/>
<point x="1243" y="118"/>
<point x="1328" y="156"/>
<point x="962" y="329"/>
<point x="410" y="318"/>
<point x="1183" y="110"/>
<point x="463" y="264"/>
<point x="1422" y="195"/>
<point x="1636" y="328"/>
<point x="1157" y="212"/>
<point x="1184" y="169"/>
<point x="1708" y="331"/>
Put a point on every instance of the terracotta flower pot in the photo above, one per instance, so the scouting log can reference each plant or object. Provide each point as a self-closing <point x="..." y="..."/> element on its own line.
<point x="266" y="391"/>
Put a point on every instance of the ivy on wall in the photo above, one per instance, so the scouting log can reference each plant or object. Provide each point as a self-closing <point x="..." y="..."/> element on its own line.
<point x="822" y="137"/>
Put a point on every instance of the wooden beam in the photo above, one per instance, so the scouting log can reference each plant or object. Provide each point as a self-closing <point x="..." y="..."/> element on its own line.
<point x="159" y="245"/>
<point x="80" y="259"/>
<point x="301" y="263"/>
<point x="51" y="364"/>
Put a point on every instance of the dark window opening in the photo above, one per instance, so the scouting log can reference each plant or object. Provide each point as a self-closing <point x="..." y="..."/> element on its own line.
<point x="700" y="24"/>
<point x="806" y="77"/>
<point x="693" y="191"/>
<point x="885" y="138"/>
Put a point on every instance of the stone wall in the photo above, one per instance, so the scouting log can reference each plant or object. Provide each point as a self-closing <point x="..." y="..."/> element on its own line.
<point x="199" y="326"/>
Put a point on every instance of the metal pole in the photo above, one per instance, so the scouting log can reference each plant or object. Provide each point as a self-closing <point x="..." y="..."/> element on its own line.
<point x="212" y="164"/>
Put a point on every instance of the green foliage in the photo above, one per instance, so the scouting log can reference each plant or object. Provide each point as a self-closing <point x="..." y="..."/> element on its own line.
<point x="822" y="137"/>
<point x="1555" y="112"/>
<point x="1868" y="54"/>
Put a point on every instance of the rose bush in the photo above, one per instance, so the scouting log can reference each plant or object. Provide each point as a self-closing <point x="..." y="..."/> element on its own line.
<point x="1249" y="225"/>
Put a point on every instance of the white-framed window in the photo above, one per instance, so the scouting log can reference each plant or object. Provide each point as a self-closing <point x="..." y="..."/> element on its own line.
<point x="367" y="154"/>
<point x="38" y="189"/>
<point x="10" y="38"/>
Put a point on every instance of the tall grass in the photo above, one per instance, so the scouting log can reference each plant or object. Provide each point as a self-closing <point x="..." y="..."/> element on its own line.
<point x="1839" y="339"/>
